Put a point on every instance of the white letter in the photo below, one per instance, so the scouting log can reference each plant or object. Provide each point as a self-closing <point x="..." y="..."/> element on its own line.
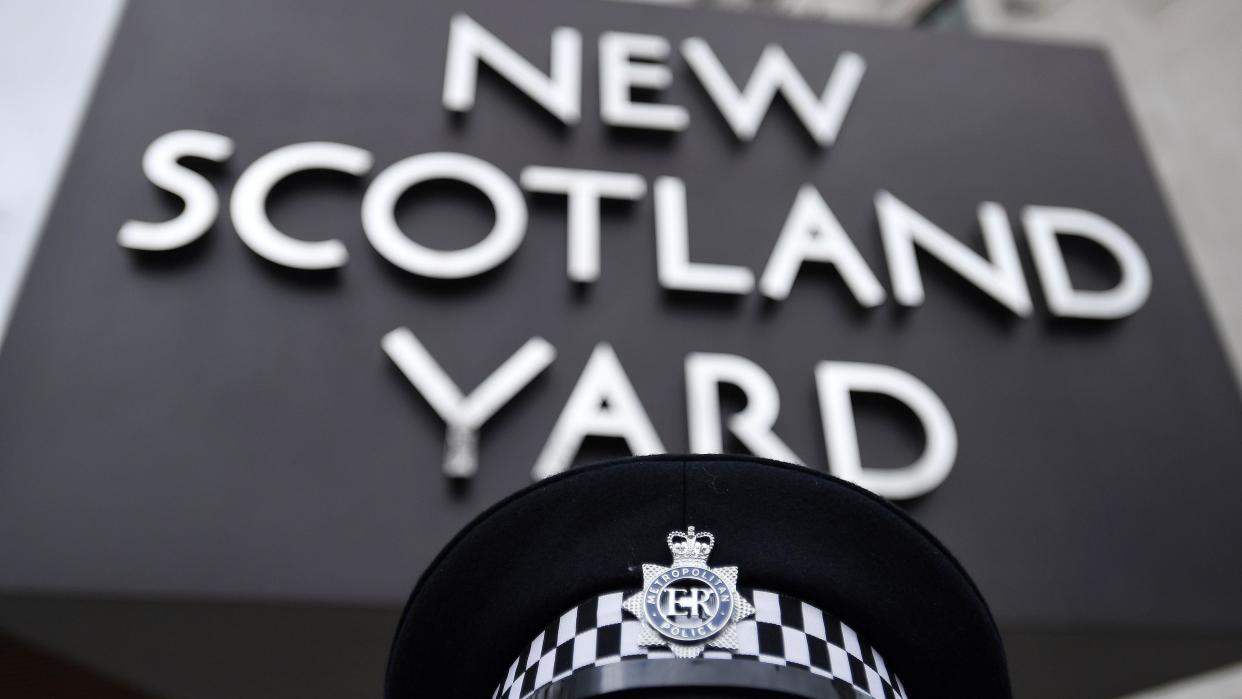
<point x="619" y="74"/>
<point x="585" y="189"/>
<point x="836" y="381"/>
<point x="470" y="43"/>
<point x="752" y="426"/>
<point x="380" y="222"/>
<point x="812" y="232"/>
<point x="248" y="205"/>
<point x="603" y="403"/>
<point x="745" y="110"/>
<point x="159" y="163"/>
<point x="464" y="415"/>
<point x="673" y="264"/>
<point x="901" y="228"/>
<point x="1043" y="225"/>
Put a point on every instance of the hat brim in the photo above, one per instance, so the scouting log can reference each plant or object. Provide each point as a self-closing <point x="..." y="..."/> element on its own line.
<point x="788" y="528"/>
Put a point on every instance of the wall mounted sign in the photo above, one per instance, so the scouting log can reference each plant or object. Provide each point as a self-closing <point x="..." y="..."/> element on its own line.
<point x="320" y="285"/>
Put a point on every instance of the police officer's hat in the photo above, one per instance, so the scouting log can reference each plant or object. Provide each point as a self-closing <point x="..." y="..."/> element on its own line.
<point x="790" y="584"/>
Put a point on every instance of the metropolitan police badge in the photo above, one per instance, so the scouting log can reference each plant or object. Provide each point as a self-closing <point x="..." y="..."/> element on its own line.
<point x="689" y="606"/>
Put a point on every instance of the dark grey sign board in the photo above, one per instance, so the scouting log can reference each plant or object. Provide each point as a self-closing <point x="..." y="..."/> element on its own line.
<point x="952" y="269"/>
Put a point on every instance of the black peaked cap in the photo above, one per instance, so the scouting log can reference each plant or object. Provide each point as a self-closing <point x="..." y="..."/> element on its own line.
<point x="586" y="532"/>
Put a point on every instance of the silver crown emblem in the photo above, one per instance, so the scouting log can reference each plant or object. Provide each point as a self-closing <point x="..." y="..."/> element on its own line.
<point x="690" y="546"/>
<point x="689" y="606"/>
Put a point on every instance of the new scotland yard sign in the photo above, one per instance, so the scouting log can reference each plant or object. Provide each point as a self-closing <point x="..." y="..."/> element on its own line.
<point x="418" y="240"/>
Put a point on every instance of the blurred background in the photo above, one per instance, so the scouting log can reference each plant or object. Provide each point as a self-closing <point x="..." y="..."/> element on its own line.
<point x="1178" y="64"/>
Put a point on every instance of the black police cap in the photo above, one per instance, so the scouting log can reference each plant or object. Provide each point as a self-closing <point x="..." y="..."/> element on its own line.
<point x="498" y="612"/>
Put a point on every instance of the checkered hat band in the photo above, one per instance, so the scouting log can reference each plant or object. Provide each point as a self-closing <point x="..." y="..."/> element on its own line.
<point x="784" y="631"/>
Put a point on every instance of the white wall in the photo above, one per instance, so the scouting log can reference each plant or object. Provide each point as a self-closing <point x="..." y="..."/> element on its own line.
<point x="50" y="52"/>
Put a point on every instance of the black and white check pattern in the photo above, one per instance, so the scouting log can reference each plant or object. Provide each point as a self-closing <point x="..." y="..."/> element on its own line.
<point x="784" y="631"/>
